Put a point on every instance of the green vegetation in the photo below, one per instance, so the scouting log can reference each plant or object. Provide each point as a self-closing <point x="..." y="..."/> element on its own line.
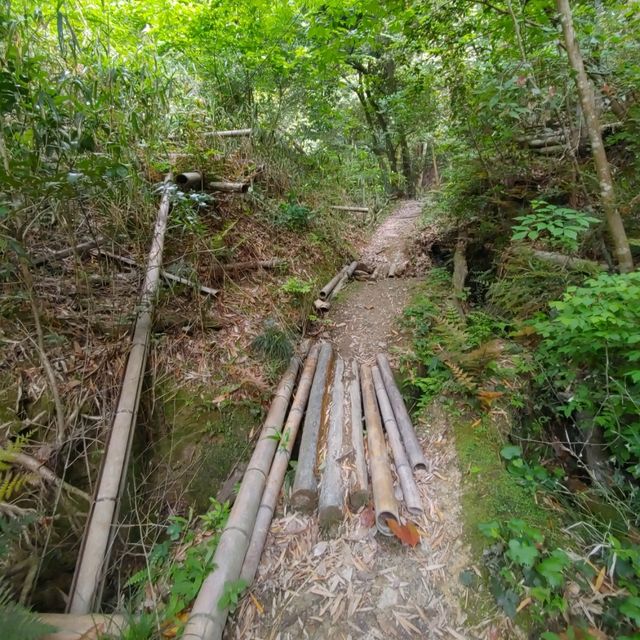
<point x="528" y="140"/>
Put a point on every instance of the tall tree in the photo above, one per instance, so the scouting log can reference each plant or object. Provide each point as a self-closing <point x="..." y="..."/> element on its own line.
<point x="588" y="102"/>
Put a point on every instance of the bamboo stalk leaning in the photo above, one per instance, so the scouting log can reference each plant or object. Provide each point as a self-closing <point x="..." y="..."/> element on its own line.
<point x="229" y="187"/>
<point x="384" y="499"/>
<point x="279" y="468"/>
<point x="359" y="489"/>
<point x="94" y="552"/>
<point x="408" y="484"/>
<point x="207" y="619"/>
<point x="304" y="494"/>
<point x="330" y="503"/>
<point x="409" y="438"/>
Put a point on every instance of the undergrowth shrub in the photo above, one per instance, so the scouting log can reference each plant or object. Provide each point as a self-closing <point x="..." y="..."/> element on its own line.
<point x="274" y="344"/>
<point x="591" y="356"/>
<point x="293" y="216"/>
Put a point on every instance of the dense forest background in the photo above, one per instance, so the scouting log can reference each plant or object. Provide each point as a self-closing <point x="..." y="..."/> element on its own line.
<point x="525" y="143"/>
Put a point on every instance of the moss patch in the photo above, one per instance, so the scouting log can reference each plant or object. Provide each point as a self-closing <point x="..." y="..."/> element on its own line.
<point x="490" y="492"/>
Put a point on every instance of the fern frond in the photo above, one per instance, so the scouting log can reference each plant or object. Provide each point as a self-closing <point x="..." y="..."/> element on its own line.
<point x="11" y="483"/>
<point x="16" y="621"/>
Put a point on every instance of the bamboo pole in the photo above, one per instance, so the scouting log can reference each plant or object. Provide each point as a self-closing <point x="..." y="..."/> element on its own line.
<point x="409" y="438"/>
<point x="229" y="187"/>
<point x="328" y="288"/>
<point x="83" y="627"/>
<point x="231" y="133"/>
<point x="351" y="268"/>
<point x="331" y="498"/>
<point x="359" y="491"/>
<point x="249" y="265"/>
<point x="65" y="253"/>
<point x="384" y="499"/>
<point x="304" y="494"/>
<point x="279" y="469"/>
<point x="207" y="618"/>
<point x="189" y="180"/>
<point x="94" y="552"/>
<point x="356" y="209"/>
<point x="403" y="468"/>
<point x="170" y="277"/>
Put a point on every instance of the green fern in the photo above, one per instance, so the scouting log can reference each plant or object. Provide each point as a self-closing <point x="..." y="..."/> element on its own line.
<point x="11" y="483"/>
<point x="13" y="447"/>
<point x="16" y="621"/>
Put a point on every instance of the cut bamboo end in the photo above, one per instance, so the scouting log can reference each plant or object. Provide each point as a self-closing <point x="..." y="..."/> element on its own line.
<point x="329" y="516"/>
<point x="325" y="292"/>
<point x="382" y="517"/>
<point x="358" y="498"/>
<point x="305" y="500"/>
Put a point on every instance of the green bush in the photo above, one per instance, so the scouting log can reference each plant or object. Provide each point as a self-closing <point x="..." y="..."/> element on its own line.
<point x="558" y="227"/>
<point x="591" y="354"/>
<point x="294" y="216"/>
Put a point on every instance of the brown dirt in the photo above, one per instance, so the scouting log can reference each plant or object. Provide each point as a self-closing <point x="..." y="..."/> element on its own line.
<point x="358" y="584"/>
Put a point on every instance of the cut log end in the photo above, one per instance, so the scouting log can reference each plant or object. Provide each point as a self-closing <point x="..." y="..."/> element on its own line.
<point x="304" y="500"/>
<point x="330" y="516"/>
<point x="359" y="498"/>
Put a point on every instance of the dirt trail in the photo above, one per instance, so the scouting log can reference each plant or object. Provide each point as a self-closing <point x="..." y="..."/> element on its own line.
<point x="356" y="583"/>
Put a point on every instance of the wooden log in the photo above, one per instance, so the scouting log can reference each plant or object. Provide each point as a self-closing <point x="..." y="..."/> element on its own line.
<point x="384" y="499"/>
<point x="207" y="618"/>
<point x="80" y="248"/>
<point x="359" y="489"/>
<point x="331" y="499"/>
<point x="352" y="268"/>
<point x="355" y="209"/>
<point x="570" y="262"/>
<point x="279" y="468"/>
<point x="328" y="288"/>
<point x="304" y="494"/>
<point x="166" y="275"/>
<point x="94" y="552"/>
<point x="409" y="438"/>
<point x="229" y="187"/>
<point x="460" y="269"/>
<point x="230" y="133"/>
<point x="82" y="627"/>
<point x="189" y="180"/>
<point x="403" y="468"/>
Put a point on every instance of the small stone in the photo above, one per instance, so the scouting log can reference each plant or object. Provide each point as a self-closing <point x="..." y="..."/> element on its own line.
<point x="389" y="598"/>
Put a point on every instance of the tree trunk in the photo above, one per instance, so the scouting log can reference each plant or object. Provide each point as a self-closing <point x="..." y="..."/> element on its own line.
<point x="587" y="100"/>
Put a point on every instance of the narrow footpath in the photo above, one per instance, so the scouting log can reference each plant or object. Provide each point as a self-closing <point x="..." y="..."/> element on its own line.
<point x="355" y="583"/>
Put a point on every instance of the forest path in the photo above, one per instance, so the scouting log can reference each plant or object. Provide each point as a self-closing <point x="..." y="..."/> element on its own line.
<point x="359" y="584"/>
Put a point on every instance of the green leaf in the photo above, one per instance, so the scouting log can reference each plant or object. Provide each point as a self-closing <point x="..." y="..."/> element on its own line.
<point x="551" y="568"/>
<point x="490" y="529"/>
<point x="510" y="452"/>
<point x="522" y="553"/>
<point x="631" y="608"/>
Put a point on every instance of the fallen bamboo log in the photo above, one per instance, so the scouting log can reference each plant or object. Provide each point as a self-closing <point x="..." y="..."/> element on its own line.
<point x="384" y="499"/>
<point x="94" y="552"/>
<point x="80" y="248"/>
<point x="207" y="618"/>
<point x="359" y="489"/>
<point x="82" y="627"/>
<point x="347" y="208"/>
<point x="304" y="494"/>
<point x="331" y="498"/>
<point x="348" y="273"/>
<point x="164" y="274"/>
<point x="189" y="180"/>
<point x="229" y="187"/>
<point x="403" y="469"/>
<point x="409" y="438"/>
<point x="230" y="133"/>
<point x="329" y="287"/>
<point x="279" y="468"/>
